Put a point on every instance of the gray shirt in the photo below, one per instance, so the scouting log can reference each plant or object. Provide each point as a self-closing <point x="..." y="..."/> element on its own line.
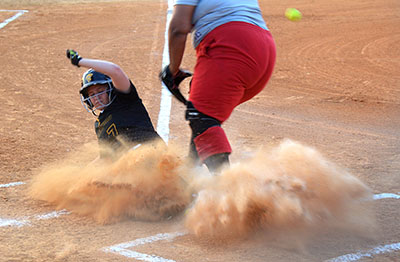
<point x="210" y="14"/>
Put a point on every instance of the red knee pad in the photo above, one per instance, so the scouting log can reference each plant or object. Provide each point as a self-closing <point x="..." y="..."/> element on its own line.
<point x="212" y="141"/>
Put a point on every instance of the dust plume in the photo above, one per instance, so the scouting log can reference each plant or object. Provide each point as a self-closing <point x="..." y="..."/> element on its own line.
<point x="145" y="183"/>
<point x="290" y="187"/>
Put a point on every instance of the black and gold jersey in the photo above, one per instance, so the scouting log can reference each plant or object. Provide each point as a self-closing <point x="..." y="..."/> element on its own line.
<point x="126" y="116"/>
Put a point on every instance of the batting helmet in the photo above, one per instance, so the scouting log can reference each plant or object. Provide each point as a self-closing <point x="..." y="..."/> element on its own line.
<point x="90" y="78"/>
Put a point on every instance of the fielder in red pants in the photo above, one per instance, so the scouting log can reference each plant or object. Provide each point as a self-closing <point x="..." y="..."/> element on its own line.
<point x="235" y="59"/>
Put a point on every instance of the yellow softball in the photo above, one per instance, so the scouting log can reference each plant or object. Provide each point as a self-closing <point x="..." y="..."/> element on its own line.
<point x="293" y="14"/>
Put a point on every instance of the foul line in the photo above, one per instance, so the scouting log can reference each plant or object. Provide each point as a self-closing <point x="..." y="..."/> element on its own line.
<point x="13" y="222"/>
<point x="165" y="103"/>
<point x="18" y="14"/>
<point x="386" y="195"/>
<point x="121" y="249"/>
<point x="375" y="251"/>
<point x="27" y="221"/>
<point x="12" y="184"/>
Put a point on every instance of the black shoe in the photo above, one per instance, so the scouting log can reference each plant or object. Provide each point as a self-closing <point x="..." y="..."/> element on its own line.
<point x="216" y="162"/>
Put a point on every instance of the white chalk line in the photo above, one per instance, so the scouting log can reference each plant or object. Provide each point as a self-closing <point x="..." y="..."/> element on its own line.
<point x="165" y="103"/>
<point x="26" y="221"/>
<point x="376" y="250"/>
<point x="53" y="214"/>
<point x="386" y="195"/>
<point x="18" y="14"/>
<point x="122" y="249"/>
<point x="13" y="222"/>
<point x="382" y="249"/>
<point x="12" y="184"/>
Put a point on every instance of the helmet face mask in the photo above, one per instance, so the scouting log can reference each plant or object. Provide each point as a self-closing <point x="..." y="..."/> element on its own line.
<point x="90" y="79"/>
<point x="99" y="97"/>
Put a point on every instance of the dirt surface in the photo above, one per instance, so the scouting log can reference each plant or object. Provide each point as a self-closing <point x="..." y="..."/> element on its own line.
<point x="335" y="88"/>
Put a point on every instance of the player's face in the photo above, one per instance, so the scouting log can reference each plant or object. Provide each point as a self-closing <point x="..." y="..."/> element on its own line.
<point x="98" y="95"/>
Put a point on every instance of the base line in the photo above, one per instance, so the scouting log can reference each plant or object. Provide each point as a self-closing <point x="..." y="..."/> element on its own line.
<point x="165" y="103"/>
<point x="374" y="251"/>
<point x="13" y="222"/>
<point x="121" y="249"/>
<point x="25" y="221"/>
<point x="12" y="184"/>
<point x="386" y="195"/>
<point x="18" y="14"/>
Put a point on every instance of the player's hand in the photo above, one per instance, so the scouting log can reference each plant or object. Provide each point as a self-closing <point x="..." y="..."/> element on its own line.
<point x="172" y="81"/>
<point x="74" y="57"/>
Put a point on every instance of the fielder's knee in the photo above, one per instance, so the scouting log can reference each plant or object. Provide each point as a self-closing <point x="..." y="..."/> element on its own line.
<point x="208" y="136"/>
<point x="198" y="121"/>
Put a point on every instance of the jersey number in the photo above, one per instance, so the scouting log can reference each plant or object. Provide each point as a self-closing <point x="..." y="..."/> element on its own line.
<point x="112" y="130"/>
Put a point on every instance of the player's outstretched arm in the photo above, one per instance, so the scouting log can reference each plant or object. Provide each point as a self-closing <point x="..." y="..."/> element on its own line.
<point x="118" y="76"/>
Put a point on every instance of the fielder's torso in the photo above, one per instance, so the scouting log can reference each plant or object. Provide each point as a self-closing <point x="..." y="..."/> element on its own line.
<point x="210" y="14"/>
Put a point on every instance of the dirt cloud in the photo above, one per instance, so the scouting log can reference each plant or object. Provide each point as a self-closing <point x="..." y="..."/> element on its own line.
<point x="145" y="183"/>
<point x="290" y="187"/>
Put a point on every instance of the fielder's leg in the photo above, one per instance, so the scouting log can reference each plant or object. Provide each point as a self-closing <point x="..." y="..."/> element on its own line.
<point x="209" y="143"/>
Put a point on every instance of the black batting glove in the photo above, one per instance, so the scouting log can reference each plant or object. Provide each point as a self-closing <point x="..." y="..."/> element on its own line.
<point x="172" y="82"/>
<point x="74" y="57"/>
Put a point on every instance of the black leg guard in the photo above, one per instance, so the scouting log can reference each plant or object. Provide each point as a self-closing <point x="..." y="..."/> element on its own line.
<point x="199" y="123"/>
